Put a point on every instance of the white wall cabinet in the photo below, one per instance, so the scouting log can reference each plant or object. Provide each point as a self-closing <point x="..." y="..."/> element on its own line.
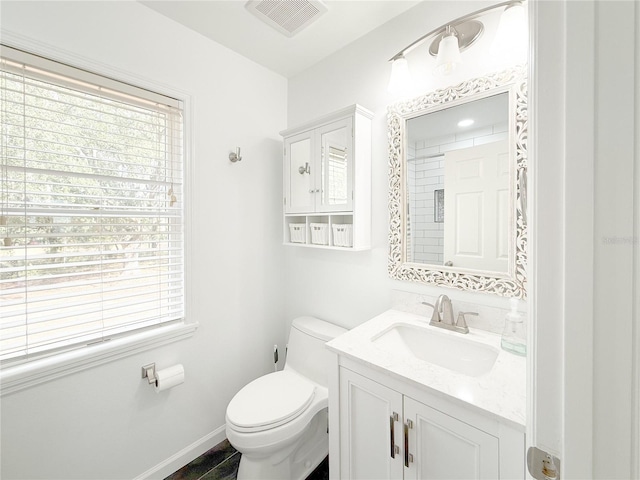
<point x="384" y="433"/>
<point x="327" y="181"/>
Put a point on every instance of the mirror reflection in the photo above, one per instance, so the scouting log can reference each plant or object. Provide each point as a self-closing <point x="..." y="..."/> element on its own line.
<point x="458" y="188"/>
<point x="334" y="167"/>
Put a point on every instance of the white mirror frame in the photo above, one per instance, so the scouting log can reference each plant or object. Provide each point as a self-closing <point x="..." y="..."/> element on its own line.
<point x="512" y="283"/>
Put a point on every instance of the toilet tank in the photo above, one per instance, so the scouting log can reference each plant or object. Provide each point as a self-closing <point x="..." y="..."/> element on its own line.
<point x="306" y="352"/>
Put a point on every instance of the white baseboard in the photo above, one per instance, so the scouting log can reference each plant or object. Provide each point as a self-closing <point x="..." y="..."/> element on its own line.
<point x="184" y="456"/>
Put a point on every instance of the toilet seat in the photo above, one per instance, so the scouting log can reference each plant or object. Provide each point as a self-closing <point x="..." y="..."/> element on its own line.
<point x="270" y="401"/>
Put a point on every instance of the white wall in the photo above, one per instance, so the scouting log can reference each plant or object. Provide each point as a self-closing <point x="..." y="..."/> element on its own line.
<point x="584" y="218"/>
<point x="584" y="144"/>
<point x="351" y="287"/>
<point x="616" y="118"/>
<point x="106" y="422"/>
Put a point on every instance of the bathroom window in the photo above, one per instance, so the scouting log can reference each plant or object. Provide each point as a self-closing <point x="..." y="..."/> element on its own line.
<point x="91" y="208"/>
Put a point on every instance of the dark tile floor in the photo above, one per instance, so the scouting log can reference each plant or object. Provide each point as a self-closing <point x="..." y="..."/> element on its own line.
<point x="221" y="463"/>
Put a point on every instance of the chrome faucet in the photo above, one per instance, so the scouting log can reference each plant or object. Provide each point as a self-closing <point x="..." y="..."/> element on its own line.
<point x="443" y="316"/>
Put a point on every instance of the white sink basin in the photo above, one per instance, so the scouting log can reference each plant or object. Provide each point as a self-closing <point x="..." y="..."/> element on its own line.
<point x="446" y="349"/>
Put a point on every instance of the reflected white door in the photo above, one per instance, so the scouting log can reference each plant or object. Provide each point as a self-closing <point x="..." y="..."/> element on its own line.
<point x="477" y="207"/>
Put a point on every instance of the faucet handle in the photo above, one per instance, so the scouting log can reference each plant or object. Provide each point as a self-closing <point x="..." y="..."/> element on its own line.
<point x="435" y="317"/>
<point x="462" y="321"/>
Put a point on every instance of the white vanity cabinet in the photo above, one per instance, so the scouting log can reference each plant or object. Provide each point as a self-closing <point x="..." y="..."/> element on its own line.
<point x="407" y="409"/>
<point x="441" y="446"/>
<point x="370" y="429"/>
<point x="387" y="435"/>
<point x="327" y="181"/>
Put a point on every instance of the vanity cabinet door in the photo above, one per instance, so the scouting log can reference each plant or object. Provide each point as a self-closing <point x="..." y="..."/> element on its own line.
<point x="443" y="447"/>
<point x="336" y="167"/>
<point x="369" y="431"/>
<point x="299" y="173"/>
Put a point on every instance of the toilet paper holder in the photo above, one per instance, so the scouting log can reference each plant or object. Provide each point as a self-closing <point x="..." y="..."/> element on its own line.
<point x="149" y="371"/>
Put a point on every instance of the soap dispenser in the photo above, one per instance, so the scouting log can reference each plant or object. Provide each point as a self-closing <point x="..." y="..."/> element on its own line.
<point x="514" y="336"/>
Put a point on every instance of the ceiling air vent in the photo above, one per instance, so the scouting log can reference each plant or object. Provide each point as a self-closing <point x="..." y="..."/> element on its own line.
<point x="287" y="16"/>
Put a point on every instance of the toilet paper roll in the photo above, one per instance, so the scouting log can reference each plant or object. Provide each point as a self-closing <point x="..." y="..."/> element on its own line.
<point x="169" y="377"/>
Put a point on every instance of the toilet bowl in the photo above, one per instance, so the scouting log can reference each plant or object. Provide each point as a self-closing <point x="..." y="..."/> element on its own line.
<point x="278" y="422"/>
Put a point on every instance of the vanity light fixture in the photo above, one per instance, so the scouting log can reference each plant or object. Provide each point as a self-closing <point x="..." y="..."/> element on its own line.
<point x="400" y="76"/>
<point x="449" y="40"/>
<point x="448" y="45"/>
<point x="511" y="38"/>
<point x="448" y="52"/>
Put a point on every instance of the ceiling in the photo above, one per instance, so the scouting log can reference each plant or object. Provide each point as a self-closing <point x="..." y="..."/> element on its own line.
<point x="484" y="112"/>
<point x="229" y="23"/>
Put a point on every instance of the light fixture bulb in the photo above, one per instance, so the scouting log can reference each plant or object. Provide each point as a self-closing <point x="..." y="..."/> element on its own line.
<point x="511" y="40"/>
<point x="466" y="122"/>
<point x="448" y="54"/>
<point x="400" y="80"/>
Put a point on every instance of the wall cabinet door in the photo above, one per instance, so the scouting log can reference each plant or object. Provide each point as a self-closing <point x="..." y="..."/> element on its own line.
<point x="336" y="167"/>
<point x="319" y="169"/>
<point x="299" y="168"/>
<point x="442" y="447"/>
<point x="370" y="429"/>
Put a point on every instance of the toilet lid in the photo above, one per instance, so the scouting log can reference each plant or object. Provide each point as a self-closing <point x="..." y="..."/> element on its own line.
<point x="270" y="401"/>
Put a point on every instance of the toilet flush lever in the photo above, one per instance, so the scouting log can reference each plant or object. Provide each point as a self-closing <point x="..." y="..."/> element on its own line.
<point x="275" y="358"/>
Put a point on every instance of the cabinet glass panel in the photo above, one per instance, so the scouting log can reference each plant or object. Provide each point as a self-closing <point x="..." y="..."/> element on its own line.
<point x="335" y="146"/>
<point x="301" y="194"/>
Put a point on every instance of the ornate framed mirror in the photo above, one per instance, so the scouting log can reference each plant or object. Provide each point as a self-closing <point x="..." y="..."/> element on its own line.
<point x="457" y="180"/>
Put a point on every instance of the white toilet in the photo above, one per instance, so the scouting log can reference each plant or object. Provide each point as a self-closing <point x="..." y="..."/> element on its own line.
<point x="278" y="422"/>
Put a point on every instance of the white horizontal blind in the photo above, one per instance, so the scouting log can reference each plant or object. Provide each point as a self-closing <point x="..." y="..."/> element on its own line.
<point x="91" y="224"/>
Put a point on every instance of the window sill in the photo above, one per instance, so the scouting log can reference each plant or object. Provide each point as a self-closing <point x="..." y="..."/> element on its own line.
<point x="19" y="377"/>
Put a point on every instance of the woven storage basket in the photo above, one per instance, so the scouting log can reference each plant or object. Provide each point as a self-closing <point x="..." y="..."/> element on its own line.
<point x="319" y="233"/>
<point x="298" y="232"/>
<point x="343" y="235"/>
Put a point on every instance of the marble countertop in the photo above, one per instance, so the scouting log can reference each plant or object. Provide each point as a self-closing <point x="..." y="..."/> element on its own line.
<point x="501" y="392"/>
